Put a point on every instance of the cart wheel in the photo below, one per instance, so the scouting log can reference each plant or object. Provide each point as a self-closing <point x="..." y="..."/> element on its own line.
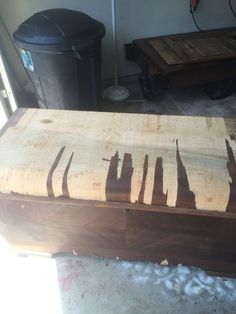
<point x="220" y="90"/>
<point x="147" y="86"/>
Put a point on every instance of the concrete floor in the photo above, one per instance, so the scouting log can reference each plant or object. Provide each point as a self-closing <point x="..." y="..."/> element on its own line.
<point x="69" y="284"/>
<point x="192" y="101"/>
<point x="90" y="285"/>
<point x="97" y="286"/>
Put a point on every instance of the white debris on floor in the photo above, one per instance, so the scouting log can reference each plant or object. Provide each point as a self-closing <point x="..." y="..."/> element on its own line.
<point x="90" y="285"/>
<point x="70" y="284"/>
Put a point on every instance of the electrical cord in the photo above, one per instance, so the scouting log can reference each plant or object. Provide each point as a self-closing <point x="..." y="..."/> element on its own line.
<point x="193" y="17"/>
<point x="231" y="8"/>
<point x="195" y="22"/>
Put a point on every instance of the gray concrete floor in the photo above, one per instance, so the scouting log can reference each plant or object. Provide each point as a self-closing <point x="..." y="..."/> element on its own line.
<point x="68" y="284"/>
<point x="191" y="101"/>
<point x="90" y="285"/>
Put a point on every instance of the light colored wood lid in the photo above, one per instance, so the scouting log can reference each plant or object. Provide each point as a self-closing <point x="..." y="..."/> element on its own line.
<point x="181" y="161"/>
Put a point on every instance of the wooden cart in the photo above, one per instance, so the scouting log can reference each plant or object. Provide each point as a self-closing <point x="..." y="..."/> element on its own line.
<point x="202" y="58"/>
<point x="127" y="186"/>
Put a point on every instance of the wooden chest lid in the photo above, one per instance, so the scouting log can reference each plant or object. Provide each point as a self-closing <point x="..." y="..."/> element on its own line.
<point x="176" y="161"/>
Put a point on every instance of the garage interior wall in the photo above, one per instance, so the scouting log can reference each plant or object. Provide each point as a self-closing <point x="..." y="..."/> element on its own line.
<point x="136" y="19"/>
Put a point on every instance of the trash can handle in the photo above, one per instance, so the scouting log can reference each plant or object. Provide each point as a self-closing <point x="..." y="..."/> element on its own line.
<point x="76" y="53"/>
<point x="80" y="46"/>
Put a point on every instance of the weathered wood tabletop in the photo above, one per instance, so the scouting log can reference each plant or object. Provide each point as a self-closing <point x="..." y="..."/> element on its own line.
<point x="130" y="185"/>
<point x="197" y="48"/>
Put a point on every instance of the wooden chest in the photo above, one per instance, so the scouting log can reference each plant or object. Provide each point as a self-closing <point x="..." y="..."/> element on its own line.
<point x="128" y="186"/>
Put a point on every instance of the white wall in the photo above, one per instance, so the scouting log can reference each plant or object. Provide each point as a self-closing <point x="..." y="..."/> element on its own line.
<point x="143" y="18"/>
<point x="136" y="19"/>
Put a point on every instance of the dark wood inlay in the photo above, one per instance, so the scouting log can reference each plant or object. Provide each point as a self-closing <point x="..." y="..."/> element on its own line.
<point x="158" y="197"/>
<point x="65" y="190"/>
<point x="50" y="174"/>
<point x="119" y="189"/>
<point x="185" y="197"/>
<point x="142" y="190"/>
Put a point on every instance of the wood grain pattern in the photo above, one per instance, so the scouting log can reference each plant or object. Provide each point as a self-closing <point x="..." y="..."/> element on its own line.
<point x="16" y="116"/>
<point x="65" y="190"/>
<point x="50" y="174"/>
<point x="170" y="161"/>
<point x="108" y="184"/>
<point x="126" y="231"/>
<point x="158" y="197"/>
<point x="185" y="197"/>
<point x="195" y="49"/>
<point x="119" y="188"/>
<point x="143" y="185"/>
<point x="231" y="165"/>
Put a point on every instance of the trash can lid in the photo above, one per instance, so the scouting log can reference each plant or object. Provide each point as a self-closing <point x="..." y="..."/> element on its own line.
<point x="58" y="30"/>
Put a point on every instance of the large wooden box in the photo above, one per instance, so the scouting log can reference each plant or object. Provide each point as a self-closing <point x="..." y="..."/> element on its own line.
<point x="135" y="187"/>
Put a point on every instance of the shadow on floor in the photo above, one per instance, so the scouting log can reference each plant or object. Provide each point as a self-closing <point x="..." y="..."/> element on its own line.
<point x="189" y="101"/>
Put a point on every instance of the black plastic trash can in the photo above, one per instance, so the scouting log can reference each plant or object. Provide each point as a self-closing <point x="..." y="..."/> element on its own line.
<point x="61" y="50"/>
